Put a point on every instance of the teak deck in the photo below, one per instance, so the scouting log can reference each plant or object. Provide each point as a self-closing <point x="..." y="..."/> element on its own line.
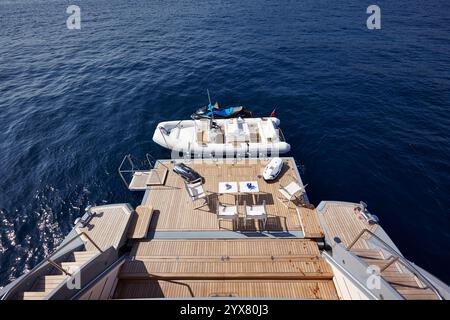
<point x="283" y="268"/>
<point x="249" y="266"/>
<point x="175" y="211"/>
<point x="107" y="227"/>
<point x="307" y="289"/>
<point x="226" y="248"/>
<point x="140" y="223"/>
<point x="310" y="223"/>
<point x="343" y="222"/>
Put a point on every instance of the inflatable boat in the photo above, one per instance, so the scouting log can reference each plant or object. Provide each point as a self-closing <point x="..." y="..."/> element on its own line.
<point x="223" y="137"/>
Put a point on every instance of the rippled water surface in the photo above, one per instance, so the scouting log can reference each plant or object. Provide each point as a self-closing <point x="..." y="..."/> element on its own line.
<point x="367" y="112"/>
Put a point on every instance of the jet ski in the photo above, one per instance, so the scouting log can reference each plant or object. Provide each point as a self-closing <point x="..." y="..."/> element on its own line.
<point x="209" y="111"/>
<point x="187" y="173"/>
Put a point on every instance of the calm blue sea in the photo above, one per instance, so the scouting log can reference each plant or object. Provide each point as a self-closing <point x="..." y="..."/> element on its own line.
<point x="367" y="112"/>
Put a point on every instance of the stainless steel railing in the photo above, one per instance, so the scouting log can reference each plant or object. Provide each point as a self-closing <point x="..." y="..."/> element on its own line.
<point x="133" y="168"/>
<point x="52" y="262"/>
<point x="397" y="257"/>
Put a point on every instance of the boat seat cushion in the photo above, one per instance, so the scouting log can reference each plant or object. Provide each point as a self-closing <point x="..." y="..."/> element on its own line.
<point x="255" y="212"/>
<point x="227" y="212"/>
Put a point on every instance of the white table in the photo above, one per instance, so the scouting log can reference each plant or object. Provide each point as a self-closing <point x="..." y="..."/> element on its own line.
<point x="249" y="187"/>
<point x="228" y="187"/>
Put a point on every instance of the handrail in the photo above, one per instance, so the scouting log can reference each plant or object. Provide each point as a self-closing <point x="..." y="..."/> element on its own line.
<point x="49" y="260"/>
<point x="57" y="266"/>
<point x="121" y="171"/>
<point x="398" y="257"/>
<point x="391" y="262"/>
<point x="152" y="166"/>
<point x="92" y="241"/>
<point x="164" y="137"/>
<point x="148" y="156"/>
<point x="179" y="122"/>
<point x="134" y="168"/>
<point x="357" y="238"/>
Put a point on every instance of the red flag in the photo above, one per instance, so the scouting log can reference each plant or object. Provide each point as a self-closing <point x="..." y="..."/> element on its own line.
<point x="273" y="114"/>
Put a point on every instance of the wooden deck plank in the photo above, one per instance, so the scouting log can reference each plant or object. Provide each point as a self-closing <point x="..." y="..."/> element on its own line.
<point x="107" y="227"/>
<point x="226" y="259"/>
<point x="230" y="247"/>
<point x="310" y="223"/>
<point x="320" y="289"/>
<point x="342" y="221"/>
<point x="181" y="215"/>
<point x="140" y="222"/>
<point x="174" y="269"/>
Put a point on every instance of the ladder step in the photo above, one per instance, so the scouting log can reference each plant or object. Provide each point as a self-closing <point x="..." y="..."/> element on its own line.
<point x="392" y="269"/>
<point x="33" y="295"/>
<point x="402" y="279"/>
<point x="71" y="267"/>
<point x="368" y="253"/>
<point x="83" y="255"/>
<point x="48" y="283"/>
<point x="418" y="294"/>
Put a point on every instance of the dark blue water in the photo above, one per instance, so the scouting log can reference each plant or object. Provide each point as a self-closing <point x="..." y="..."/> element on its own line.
<point x="367" y="112"/>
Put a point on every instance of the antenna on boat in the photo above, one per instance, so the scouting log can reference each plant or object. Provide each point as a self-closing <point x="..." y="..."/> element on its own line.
<point x="209" y="97"/>
<point x="210" y="107"/>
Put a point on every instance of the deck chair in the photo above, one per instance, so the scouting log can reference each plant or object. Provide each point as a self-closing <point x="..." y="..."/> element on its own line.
<point x="255" y="212"/>
<point x="290" y="191"/>
<point x="196" y="192"/>
<point x="227" y="211"/>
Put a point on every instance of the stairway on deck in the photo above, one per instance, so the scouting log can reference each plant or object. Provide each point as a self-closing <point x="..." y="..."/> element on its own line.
<point x="46" y="283"/>
<point x="226" y="259"/>
<point x="249" y="267"/>
<point x="403" y="281"/>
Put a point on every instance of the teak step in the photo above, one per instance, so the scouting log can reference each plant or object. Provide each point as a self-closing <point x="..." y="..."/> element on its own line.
<point x="409" y="287"/>
<point x="368" y="253"/>
<point x="226" y="258"/>
<point x="157" y="177"/>
<point x="391" y="270"/>
<point x="83" y="256"/>
<point x="245" y="289"/>
<point x="230" y="247"/>
<point x="71" y="267"/>
<point x="33" y="295"/>
<point x="140" y="222"/>
<point x="175" y="269"/>
<point x="48" y="283"/>
<point x="405" y="283"/>
<point x="402" y="279"/>
<point x="43" y="286"/>
<point x="310" y="223"/>
<point x="417" y="294"/>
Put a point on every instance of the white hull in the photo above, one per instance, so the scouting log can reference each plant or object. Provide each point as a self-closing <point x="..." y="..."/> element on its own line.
<point x="249" y="136"/>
